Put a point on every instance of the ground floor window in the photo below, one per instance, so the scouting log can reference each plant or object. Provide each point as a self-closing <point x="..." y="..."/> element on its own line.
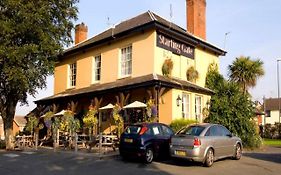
<point x="198" y="107"/>
<point x="185" y="106"/>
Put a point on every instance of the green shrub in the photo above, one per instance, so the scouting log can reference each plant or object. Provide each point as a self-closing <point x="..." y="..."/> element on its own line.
<point x="271" y="131"/>
<point x="177" y="124"/>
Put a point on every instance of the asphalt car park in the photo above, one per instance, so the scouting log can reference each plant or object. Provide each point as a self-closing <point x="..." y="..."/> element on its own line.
<point x="266" y="161"/>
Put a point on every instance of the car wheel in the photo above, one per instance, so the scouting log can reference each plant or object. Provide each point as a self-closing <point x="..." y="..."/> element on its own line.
<point x="238" y="152"/>
<point x="148" y="155"/>
<point x="209" y="159"/>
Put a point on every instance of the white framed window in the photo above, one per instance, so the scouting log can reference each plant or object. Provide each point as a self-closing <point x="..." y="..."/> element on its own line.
<point x="185" y="105"/>
<point x="96" y="68"/>
<point x="126" y="61"/>
<point x="72" y="74"/>
<point x="198" y="107"/>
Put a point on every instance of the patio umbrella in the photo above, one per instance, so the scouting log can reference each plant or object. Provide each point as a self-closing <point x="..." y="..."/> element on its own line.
<point x="60" y="113"/>
<point x="135" y="104"/>
<point x="109" y="106"/>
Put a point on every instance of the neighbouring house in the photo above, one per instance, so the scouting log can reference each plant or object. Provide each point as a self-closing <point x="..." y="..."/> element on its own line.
<point x="272" y="108"/>
<point x="18" y="126"/>
<point x="142" y="58"/>
<point x="259" y="112"/>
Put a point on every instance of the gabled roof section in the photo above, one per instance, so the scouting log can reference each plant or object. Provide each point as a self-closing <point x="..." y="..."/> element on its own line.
<point x="19" y="120"/>
<point x="272" y="104"/>
<point x="141" y="22"/>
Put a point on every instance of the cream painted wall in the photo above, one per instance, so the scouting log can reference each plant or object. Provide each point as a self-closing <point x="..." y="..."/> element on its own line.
<point x="202" y="61"/>
<point x="181" y="63"/>
<point x="142" y="62"/>
<point x="165" y="110"/>
<point x="273" y="118"/>
<point x="177" y="110"/>
<point x="147" y="58"/>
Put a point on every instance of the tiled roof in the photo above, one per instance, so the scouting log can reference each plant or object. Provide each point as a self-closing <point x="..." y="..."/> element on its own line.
<point x="139" y="22"/>
<point x="272" y="104"/>
<point x="20" y="120"/>
<point x="130" y="83"/>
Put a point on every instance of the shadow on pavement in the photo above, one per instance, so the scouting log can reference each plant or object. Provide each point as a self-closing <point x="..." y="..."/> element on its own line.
<point x="271" y="157"/>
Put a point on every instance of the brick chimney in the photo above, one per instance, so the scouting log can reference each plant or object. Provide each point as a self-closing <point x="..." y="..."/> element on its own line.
<point x="81" y="32"/>
<point x="196" y="17"/>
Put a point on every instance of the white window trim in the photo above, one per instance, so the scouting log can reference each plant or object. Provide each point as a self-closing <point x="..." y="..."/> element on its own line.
<point x="187" y="105"/>
<point x="120" y="62"/>
<point x="69" y="79"/>
<point x="94" y="68"/>
<point x="198" y="116"/>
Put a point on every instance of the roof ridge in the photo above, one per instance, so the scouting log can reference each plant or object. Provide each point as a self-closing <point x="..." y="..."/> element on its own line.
<point x="151" y="14"/>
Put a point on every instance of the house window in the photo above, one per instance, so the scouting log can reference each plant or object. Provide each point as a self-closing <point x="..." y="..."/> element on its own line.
<point x="198" y="107"/>
<point x="72" y="74"/>
<point x="97" y="68"/>
<point x="185" y="105"/>
<point x="126" y="61"/>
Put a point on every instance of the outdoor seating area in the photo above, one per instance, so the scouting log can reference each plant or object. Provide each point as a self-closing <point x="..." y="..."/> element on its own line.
<point x="97" y="131"/>
<point x="23" y="142"/>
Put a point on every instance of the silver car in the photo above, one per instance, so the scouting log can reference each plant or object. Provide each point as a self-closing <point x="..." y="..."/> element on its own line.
<point x="205" y="143"/>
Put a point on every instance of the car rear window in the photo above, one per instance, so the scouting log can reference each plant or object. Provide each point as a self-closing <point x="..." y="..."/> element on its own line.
<point x="133" y="129"/>
<point x="191" y="130"/>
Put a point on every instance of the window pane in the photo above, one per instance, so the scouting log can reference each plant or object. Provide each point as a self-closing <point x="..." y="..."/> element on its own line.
<point x="126" y="61"/>
<point x="72" y="75"/>
<point x="192" y="130"/>
<point x="97" y="68"/>
<point x="185" y="105"/>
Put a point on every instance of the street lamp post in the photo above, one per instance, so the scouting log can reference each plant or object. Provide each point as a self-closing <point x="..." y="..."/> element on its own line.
<point x="278" y="93"/>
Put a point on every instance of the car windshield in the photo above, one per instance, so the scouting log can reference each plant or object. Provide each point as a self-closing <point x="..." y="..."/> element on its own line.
<point x="133" y="129"/>
<point x="191" y="130"/>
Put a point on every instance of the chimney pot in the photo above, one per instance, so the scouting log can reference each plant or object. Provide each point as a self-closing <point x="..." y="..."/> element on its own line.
<point x="196" y="17"/>
<point x="81" y="32"/>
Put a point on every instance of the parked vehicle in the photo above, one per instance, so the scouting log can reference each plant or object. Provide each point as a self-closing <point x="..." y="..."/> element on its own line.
<point x="205" y="143"/>
<point x="146" y="141"/>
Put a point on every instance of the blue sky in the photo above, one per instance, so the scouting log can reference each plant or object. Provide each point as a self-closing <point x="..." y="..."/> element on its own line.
<point x="254" y="26"/>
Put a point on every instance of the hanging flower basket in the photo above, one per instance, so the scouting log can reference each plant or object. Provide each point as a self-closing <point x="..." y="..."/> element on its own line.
<point x="167" y="67"/>
<point x="192" y="74"/>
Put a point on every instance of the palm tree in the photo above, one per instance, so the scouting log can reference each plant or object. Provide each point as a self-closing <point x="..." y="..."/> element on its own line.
<point x="245" y="72"/>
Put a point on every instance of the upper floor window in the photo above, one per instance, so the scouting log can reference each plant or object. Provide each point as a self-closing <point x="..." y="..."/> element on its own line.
<point x="185" y="105"/>
<point x="97" y="68"/>
<point x="198" y="107"/>
<point x="72" y="74"/>
<point x="126" y="61"/>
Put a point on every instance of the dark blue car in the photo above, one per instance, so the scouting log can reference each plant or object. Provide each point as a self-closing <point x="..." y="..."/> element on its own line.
<point x="146" y="141"/>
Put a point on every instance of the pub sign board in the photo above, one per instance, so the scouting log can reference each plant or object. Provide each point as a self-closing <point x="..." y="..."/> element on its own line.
<point x="175" y="46"/>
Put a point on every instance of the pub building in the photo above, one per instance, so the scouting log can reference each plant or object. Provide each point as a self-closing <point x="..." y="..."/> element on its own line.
<point x="146" y="59"/>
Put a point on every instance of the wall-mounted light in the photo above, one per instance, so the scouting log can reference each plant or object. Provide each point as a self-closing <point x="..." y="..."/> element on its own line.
<point x="178" y="100"/>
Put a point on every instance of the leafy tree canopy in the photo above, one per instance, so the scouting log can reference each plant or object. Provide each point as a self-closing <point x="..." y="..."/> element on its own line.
<point x="232" y="108"/>
<point x="32" y="35"/>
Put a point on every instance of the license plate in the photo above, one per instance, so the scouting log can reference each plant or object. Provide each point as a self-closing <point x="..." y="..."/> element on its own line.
<point x="128" y="140"/>
<point x="180" y="153"/>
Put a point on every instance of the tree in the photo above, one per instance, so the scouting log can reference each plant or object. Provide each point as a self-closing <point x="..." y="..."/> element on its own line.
<point x="245" y="72"/>
<point x="231" y="107"/>
<point x="32" y="35"/>
<point x="213" y="77"/>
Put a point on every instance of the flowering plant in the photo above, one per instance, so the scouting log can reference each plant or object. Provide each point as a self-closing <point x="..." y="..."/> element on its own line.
<point x="151" y="111"/>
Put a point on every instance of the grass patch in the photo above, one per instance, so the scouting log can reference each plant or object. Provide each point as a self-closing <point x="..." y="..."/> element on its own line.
<point x="272" y="142"/>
